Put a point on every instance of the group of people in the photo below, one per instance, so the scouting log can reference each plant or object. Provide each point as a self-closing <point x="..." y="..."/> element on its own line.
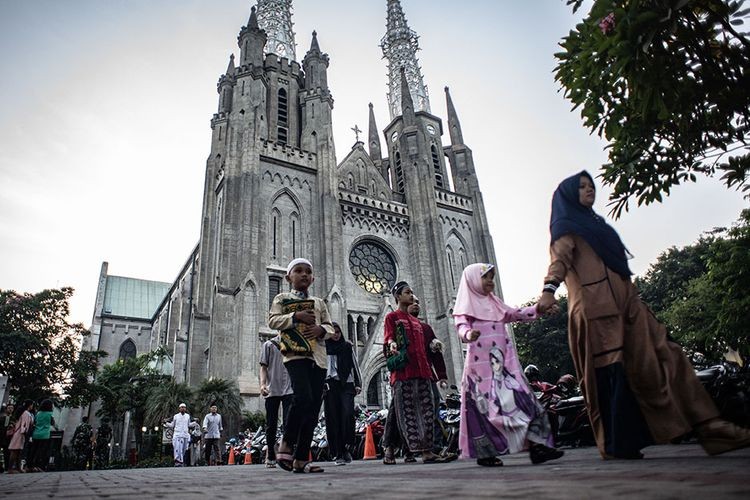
<point x="188" y="435"/>
<point x="638" y="385"/>
<point x="25" y="438"/>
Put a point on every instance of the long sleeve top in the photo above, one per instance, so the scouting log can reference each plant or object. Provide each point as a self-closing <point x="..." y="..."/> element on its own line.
<point x="355" y="376"/>
<point x="418" y="365"/>
<point x="181" y="425"/>
<point x="464" y="323"/>
<point x="279" y="321"/>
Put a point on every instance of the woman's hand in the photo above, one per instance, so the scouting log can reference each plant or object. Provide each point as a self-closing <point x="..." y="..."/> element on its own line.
<point x="546" y="304"/>
<point x="393" y="347"/>
<point x="473" y="335"/>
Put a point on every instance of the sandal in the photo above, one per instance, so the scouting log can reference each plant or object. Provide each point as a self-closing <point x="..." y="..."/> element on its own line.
<point x="490" y="462"/>
<point x="389" y="457"/>
<point x="308" y="468"/>
<point x="270" y="464"/>
<point x="285" y="461"/>
<point x="409" y="459"/>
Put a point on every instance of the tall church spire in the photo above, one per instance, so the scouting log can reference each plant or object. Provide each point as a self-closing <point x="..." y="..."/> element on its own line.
<point x="373" y="138"/>
<point x="454" y="126"/>
<point x="275" y="18"/>
<point x="400" y="50"/>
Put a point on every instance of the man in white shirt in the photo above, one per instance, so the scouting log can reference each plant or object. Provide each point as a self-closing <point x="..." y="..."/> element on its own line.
<point x="180" y="435"/>
<point x="212" y="426"/>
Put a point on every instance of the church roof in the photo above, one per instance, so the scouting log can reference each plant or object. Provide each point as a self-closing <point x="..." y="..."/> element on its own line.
<point x="133" y="298"/>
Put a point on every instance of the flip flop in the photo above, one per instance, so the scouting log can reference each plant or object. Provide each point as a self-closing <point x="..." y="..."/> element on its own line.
<point x="308" y="468"/>
<point x="490" y="462"/>
<point x="285" y="461"/>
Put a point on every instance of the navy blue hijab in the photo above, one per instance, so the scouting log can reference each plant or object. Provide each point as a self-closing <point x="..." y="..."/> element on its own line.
<point x="570" y="217"/>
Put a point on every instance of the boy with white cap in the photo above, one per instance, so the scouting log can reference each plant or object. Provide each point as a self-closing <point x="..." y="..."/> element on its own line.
<point x="180" y="435"/>
<point x="304" y="324"/>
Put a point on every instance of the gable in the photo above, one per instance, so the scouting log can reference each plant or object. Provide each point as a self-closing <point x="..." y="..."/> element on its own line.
<point x="357" y="173"/>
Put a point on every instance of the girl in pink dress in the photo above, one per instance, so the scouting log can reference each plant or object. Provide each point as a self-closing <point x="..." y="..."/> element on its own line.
<point x="499" y="412"/>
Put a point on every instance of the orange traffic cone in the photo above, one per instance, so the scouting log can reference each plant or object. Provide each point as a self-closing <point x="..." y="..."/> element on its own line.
<point x="248" y="457"/>
<point x="370" y="453"/>
<point x="231" y="456"/>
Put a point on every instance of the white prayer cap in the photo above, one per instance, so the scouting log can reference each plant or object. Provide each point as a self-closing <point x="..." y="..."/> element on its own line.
<point x="183" y="404"/>
<point x="298" y="260"/>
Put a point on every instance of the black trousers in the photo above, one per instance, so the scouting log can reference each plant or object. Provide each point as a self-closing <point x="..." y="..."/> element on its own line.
<point x="212" y="445"/>
<point x="339" y="408"/>
<point x="307" y="383"/>
<point x="272" y="420"/>
<point x="39" y="453"/>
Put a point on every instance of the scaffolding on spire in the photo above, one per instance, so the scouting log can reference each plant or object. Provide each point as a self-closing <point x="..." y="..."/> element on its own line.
<point x="275" y="18"/>
<point x="400" y="46"/>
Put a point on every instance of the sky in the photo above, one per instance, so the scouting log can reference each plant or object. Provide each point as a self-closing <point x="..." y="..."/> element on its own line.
<point x="105" y="109"/>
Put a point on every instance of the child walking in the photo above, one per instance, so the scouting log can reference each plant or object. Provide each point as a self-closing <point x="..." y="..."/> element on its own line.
<point x="304" y="324"/>
<point x="500" y="413"/>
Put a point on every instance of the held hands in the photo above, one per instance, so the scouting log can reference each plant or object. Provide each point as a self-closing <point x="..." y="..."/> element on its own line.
<point x="443" y="384"/>
<point x="357" y="390"/>
<point x="473" y="335"/>
<point x="547" y="304"/>
<point x="264" y="390"/>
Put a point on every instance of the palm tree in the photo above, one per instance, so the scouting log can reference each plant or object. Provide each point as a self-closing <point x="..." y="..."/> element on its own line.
<point x="223" y="393"/>
<point x="163" y="400"/>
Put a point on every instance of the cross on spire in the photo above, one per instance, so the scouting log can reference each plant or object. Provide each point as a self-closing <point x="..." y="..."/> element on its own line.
<point x="356" y="131"/>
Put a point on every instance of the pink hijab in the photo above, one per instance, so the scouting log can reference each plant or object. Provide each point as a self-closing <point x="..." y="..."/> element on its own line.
<point x="471" y="301"/>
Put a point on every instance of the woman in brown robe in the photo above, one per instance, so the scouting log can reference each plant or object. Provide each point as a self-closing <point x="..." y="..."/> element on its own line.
<point x="638" y="385"/>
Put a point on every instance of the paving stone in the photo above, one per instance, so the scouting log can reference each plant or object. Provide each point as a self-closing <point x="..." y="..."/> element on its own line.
<point x="667" y="472"/>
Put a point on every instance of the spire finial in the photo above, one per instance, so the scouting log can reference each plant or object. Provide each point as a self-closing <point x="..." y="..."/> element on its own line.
<point x="253" y="22"/>
<point x="454" y="126"/>
<point x="314" y="47"/>
<point x="400" y="48"/>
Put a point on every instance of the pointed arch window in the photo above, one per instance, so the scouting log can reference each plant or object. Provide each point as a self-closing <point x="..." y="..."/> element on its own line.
<point x="436" y="167"/>
<point x="449" y="253"/>
<point x="399" y="174"/>
<point x="275" y="237"/>
<point x="283" y="118"/>
<point x="294" y="227"/>
<point x="274" y="288"/>
<point x="127" y="350"/>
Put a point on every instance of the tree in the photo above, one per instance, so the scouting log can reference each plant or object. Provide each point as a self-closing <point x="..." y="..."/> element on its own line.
<point x="700" y="291"/>
<point x="715" y="312"/>
<point x="163" y="401"/>
<point x="39" y="348"/>
<point x="667" y="279"/>
<point x="667" y="84"/>
<point x="544" y="343"/>
<point x="225" y="395"/>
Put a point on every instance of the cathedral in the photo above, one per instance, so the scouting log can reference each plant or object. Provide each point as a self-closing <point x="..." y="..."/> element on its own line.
<point x="404" y="206"/>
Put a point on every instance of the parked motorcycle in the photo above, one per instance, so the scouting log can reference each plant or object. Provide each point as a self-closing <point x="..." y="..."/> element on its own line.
<point x="728" y="384"/>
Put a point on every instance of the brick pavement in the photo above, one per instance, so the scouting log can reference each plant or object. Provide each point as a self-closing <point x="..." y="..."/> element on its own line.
<point x="682" y="471"/>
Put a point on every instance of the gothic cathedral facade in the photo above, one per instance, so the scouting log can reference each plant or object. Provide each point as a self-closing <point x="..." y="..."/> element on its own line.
<point x="274" y="190"/>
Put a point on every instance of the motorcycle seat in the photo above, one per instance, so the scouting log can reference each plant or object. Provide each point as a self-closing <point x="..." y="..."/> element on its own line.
<point x="570" y="402"/>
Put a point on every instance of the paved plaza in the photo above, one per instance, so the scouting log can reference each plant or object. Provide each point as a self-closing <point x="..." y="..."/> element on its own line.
<point x="681" y="471"/>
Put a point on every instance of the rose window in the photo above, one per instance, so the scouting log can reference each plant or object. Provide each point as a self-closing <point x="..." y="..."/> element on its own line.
<point x="373" y="267"/>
